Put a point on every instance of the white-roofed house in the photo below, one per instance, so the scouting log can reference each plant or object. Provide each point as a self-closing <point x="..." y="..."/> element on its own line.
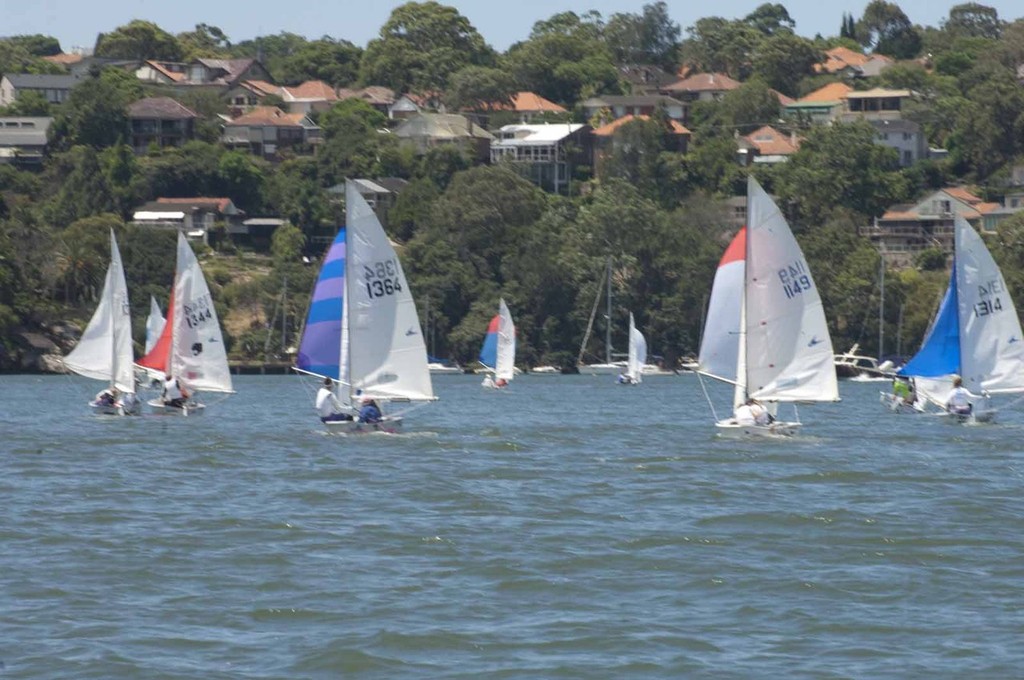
<point x="546" y="153"/>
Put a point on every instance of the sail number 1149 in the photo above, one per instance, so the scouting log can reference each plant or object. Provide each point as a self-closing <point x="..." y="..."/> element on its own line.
<point x="382" y="278"/>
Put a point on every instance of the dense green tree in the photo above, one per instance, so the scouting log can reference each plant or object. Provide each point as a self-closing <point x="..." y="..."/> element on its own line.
<point x="636" y="154"/>
<point x="335" y="62"/>
<point x="83" y="255"/>
<point x="886" y="29"/>
<point x="973" y="20"/>
<point x="37" y="45"/>
<point x="272" y="50"/>
<point x="480" y="88"/>
<point x="29" y="103"/>
<point x="191" y="170"/>
<point x="771" y="19"/>
<point x="123" y="178"/>
<point x="96" y="112"/>
<point x="204" y="41"/>
<point x="718" y="45"/>
<point x="651" y="37"/>
<point x="412" y="207"/>
<point x="139" y="40"/>
<point x="588" y="26"/>
<point x="294" y="192"/>
<point x="420" y="46"/>
<point x="783" y="59"/>
<point x="563" y="68"/>
<point x="16" y="58"/>
<point x="241" y="178"/>
<point x="81" y="187"/>
<point x="351" y="141"/>
<point x="745" y="109"/>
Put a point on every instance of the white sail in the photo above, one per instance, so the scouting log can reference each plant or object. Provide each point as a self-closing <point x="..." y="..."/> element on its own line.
<point x="387" y="357"/>
<point x="198" y="355"/>
<point x="505" y="364"/>
<point x="637" y="352"/>
<point x="154" y="324"/>
<point x="104" y="352"/>
<point x="991" y="346"/>
<point x="720" y="342"/>
<point x="789" y="352"/>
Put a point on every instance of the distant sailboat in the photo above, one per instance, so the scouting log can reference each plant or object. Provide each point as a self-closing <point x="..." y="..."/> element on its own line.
<point x="498" y="353"/>
<point x="154" y="324"/>
<point x="104" y="352"/>
<point x="765" y="331"/>
<point x="975" y="335"/>
<point x="362" y="330"/>
<point x="191" y="346"/>
<point x="637" y="356"/>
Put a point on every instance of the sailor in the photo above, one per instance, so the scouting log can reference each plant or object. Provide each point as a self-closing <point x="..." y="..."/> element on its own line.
<point x="328" y="405"/>
<point x="174" y="395"/>
<point x="760" y="413"/>
<point x="960" y="399"/>
<point x="744" y="414"/>
<point x="370" y="412"/>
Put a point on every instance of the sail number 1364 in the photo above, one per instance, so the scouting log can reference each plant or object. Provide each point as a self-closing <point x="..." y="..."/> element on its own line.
<point x="382" y="278"/>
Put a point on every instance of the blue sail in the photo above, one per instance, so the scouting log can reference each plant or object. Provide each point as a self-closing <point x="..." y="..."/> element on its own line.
<point x="489" y="351"/>
<point x="320" y="349"/>
<point x="940" y="353"/>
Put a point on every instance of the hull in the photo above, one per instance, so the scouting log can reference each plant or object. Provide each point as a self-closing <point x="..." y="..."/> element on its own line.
<point x="104" y="410"/>
<point x="897" y="405"/>
<point x="730" y="428"/>
<point x="390" y="425"/>
<point x="159" y="408"/>
<point x="975" y="417"/>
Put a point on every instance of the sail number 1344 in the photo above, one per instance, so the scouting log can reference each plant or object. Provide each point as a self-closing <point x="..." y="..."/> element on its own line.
<point x="382" y="278"/>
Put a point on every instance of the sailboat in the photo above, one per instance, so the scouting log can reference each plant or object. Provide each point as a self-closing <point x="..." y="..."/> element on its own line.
<point x="362" y="329"/>
<point x="637" y="356"/>
<point x="498" y="353"/>
<point x="104" y="352"/>
<point x="191" y="346"/>
<point x="975" y="335"/>
<point x="154" y="324"/>
<point x="765" y="331"/>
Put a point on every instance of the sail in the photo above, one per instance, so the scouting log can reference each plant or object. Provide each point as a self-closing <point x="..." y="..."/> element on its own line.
<point x="157" y="359"/>
<point x="720" y="342"/>
<point x="991" y="351"/>
<point x="319" y="348"/>
<point x="940" y="352"/>
<point x="489" y="350"/>
<point x="637" y="352"/>
<point x="789" y="352"/>
<point x="504" y="366"/>
<point x="387" y="357"/>
<point x="154" y="324"/>
<point x="104" y="352"/>
<point x="198" y="355"/>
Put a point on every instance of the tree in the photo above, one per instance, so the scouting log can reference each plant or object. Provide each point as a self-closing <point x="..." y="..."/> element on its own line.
<point x="479" y="88"/>
<point x="636" y="154"/>
<point x="973" y="20"/>
<point x="718" y="45"/>
<point x="96" y="112"/>
<point x="139" y="40"/>
<point x="420" y="46"/>
<point x="887" y="30"/>
<point x="333" y="61"/>
<point x="648" y="38"/>
<point x="351" y="142"/>
<point x="771" y="18"/>
<point x="204" y="41"/>
<point x="37" y="45"/>
<point x="84" y="253"/>
<point x="29" y="103"/>
<point x="589" y="26"/>
<point x="241" y="179"/>
<point x="783" y="59"/>
<point x="750" y="106"/>
<point x="563" y="68"/>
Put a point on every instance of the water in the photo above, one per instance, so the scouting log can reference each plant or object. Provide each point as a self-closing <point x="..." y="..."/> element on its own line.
<point x="565" y="528"/>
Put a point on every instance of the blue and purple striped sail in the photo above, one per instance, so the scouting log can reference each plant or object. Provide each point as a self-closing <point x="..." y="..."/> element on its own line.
<point x="320" y="349"/>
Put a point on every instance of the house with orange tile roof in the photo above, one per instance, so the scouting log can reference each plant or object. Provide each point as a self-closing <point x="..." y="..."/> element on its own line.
<point x="161" y="72"/>
<point x="905" y="230"/>
<point x="267" y="130"/>
<point x="609" y="107"/>
<point x="310" y="96"/>
<point x="379" y="97"/>
<point x="701" y="87"/>
<point x="843" y="61"/>
<point x="823" y="105"/>
<point x="64" y="59"/>
<point x="766" y="146"/>
<point x="527" y="106"/>
<point x="605" y="141"/>
<point x="161" y="122"/>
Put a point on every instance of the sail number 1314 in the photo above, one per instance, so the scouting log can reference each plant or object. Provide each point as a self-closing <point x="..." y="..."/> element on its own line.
<point x="382" y="278"/>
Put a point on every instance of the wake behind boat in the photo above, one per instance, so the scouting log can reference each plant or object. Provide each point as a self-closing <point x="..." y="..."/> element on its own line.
<point x="362" y="333"/>
<point x="765" y="332"/>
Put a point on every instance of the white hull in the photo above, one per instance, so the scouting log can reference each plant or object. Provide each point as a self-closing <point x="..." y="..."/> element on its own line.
<point x="544" y="370"/>
<point x="897" y="405"/>
<point x="390" y="424"/>
<point x="103" y="410"/>
<point x="159" y="408"/>
<point x="441" y="369"/>
<point x="618" y="368"/>
<point x="730" y="428"/>
<point x="973" y="418"/>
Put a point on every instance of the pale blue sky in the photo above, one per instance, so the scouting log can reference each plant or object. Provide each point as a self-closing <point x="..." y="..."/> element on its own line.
<point x="501" y="22"/>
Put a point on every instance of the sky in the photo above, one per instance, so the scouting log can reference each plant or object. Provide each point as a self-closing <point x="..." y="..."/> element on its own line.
<point x="77" y="22"/>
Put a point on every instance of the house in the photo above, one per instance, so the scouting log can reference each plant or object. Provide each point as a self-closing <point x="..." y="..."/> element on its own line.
<point x="161" y="72"/>
<point x="821" y="106"/>
<point x="905" y="136"/>
<point x="905" y="230"/>
<point x="196" y="217"/>
<point x="310" y="96"/>
<point x="528" y="106"/>
<point x="843" y="61"/>
<point x="217" y="74"/>
<point x="766" y="146"/>
<point x="876" y="104"/>
<point x="702" y="87"/>
<point x="428" y="130"/>
<point x="380" y="98"/>
<point x="380" y="194"/>
<point x="56" y="89"/>
<point x="267" y="130"/>
<point x="64" y="59"/>
<point x="255" y="232"/>
<point x="23" y="140"/>
<point x="409" y="105"/>
<point x="646" y="78"/>
<point x="545" y="154"/>
<point x="605" y="141"/>
<point x="160" y="121"/>
<point x="605" y="108"/>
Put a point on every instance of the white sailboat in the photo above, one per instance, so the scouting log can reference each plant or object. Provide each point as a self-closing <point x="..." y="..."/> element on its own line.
<point x="191" y="346"/>
<point x="975" y="335"/>
<point x="154" y="324"/>
<point x="362" y="330"/>
<point x="104" y="352"/>
<point x="637" y="356"/>
<point x="765" y="331"/>
<point x="498" y="354"/>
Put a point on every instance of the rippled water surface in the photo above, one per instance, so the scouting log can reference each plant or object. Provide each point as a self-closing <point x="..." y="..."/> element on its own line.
<point x="564" y="528"/>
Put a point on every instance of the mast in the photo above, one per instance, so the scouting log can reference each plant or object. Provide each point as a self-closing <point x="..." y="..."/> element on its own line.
<point x="881" y="308"/>
<point x="608" y="317"/>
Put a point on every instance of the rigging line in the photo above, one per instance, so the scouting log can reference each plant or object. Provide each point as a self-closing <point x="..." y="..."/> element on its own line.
<point x="590" y="326"/>
<point x="700" y="379"/>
